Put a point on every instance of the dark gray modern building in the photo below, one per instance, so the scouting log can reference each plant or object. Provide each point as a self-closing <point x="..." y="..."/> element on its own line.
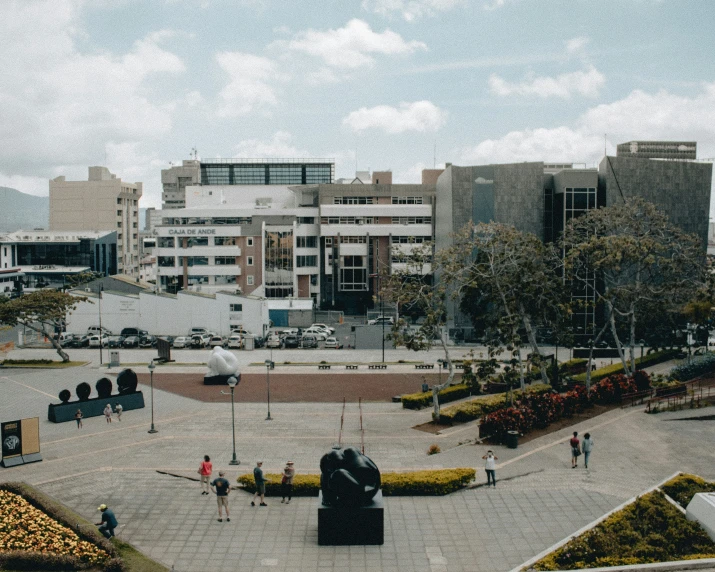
<point x="675" y="150"/>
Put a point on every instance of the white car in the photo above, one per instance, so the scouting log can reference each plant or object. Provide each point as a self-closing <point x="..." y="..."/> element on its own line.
<point x="333" y="343"/>
<point x="381" y="320"/>
<point x="235" y="342"/>
<point x="317" y="333"/>
<point x="274" y="341"/>
<point x="96" y="341"/>
<point x="325" y="327"/>
<point x="181" y="342"/>
<point x="216" y="342"/>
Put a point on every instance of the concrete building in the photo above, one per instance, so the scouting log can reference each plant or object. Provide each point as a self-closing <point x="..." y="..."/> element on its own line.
<point x="46" y="257"/>
<point x="102" y="203"/>
<point x="175" y="180"/>
<point x="676" y="150"/>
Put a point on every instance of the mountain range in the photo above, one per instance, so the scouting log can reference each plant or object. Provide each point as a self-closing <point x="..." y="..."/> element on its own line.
<point x="20" y="211"/>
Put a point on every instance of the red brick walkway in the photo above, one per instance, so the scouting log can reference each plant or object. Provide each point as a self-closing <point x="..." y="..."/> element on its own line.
<point x="296" y="388"/>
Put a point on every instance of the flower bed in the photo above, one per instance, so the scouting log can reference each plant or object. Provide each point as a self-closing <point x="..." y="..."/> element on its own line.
<point x="647" y="361"/>
<point x="476" y="408"/>
<point x="700" y="365"/>
<point x="648" y="530"/>
<point x="415" y="483"/>
<point x="683" y="487"/>
<point x="29" y="536"/>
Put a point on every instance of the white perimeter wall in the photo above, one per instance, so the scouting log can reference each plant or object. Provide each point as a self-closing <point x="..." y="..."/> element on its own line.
<point x="164" y="315"/>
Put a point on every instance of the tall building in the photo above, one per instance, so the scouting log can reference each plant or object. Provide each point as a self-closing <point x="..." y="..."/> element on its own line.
<point x="267" y="171"/>
<point x="175" y="180"/>
<point x="677" y="150"/>
<point x="102" y="203"/>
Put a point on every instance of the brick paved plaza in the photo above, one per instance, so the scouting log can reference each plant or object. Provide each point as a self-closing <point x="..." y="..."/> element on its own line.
<point x="538" y="500"/>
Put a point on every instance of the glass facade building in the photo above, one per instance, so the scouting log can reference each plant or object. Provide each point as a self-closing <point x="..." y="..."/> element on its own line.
<point x="274" y="172"/>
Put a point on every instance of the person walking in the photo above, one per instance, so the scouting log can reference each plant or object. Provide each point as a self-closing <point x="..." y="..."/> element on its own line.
<point x="575" y="449"/>
<point x="118" y="409"/>
<point x="287" y="482"/>
<point x="205" y="470"/>
<point x="260" y="484"/>
<point x="108" y="413"/>
<point x="109" y="521"/>
<point x="78" y="418"/>
<point x="586" y="447"/>
<point x="491" y="468"/>
<point x="221" y="488"/>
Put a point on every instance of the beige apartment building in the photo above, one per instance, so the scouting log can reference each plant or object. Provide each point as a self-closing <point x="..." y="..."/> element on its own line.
<point x="103" y="202"/>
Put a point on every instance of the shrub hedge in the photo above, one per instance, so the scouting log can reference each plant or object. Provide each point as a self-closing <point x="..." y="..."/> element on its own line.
<point x="573" y="367"/>
<point x="648" y="530"/>
<point x="476" y="408"/>
<point x="683" y="487"/>
<point x="700" y="365"/>
<point x="424" y="399"/>
<point x="415" y="483"/>
<point x="647" y="361"/>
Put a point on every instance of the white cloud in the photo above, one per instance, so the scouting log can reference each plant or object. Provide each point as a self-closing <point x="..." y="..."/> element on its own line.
<point x="421" y="116"/>
<point x="251" y="83"/>
<point x="60" y="104"/>
<point x="494" y="4"/>
<point x="279" y="146"/>
<point x="640" y="115"/>
<point x="586" y="83"/>
<point x="410" y="9"/>
<point x="352" y="46"/>
<point x="576" y="45"/>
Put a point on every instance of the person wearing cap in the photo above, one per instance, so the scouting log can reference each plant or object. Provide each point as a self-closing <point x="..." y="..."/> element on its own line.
<point x="287" y="482"/>
<point x="221" y="488"/>
<point x="490" y="467"/>
<point x="109" y="521"/>
<point x="260" y="484"/>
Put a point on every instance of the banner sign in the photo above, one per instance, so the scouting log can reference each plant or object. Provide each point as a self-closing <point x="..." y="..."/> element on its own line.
<point x="11" y="439"/>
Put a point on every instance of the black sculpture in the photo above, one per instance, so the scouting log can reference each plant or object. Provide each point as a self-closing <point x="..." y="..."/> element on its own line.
<point x="103" y="387"/>
<point x="127" y="381"/>
<point x="348" y="478"/>
<point x="83" y="391"/>
<point x="65" y="395"/>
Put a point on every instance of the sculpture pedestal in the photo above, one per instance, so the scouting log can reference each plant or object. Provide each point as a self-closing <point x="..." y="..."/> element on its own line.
<point x="216" y="379"/>
<point x="340" y="526"/>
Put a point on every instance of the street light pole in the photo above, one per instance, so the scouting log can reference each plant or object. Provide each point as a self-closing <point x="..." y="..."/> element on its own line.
<point x="99" y="305"/>
<point x="232" y="381"/>
<point x="151" y="377"/>
<point x="269" y="365"/>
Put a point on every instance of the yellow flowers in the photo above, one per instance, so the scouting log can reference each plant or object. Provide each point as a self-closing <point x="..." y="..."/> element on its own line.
<point x="26" y="528"/>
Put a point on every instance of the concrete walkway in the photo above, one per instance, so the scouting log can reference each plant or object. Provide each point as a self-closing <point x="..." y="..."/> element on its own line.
<point x="538" y="500"/>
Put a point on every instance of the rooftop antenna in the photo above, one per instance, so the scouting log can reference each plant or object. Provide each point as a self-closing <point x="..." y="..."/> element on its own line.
<point x="194" y="153"/>
<point x="605" y="152"/>
<point x="434" y="166"/>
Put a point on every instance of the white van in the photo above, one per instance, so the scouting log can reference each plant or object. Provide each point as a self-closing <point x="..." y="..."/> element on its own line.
<point x="95" y="330"/>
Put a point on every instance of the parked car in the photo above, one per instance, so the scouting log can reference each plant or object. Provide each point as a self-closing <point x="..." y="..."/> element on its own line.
<point x="78" y="342"/>
<point x="325" y="327"/>
<point x="309" y="341"/>
<point x="133" y="332"/>
<point x="316" y="333"/>
<point x="147" y="341"/>
<point x="274" y="341"/>
<point x="387" y="320"/>
<point x="64" y="339"/>
<point x="217" y="341"/>
<point x="259" y="341"/>
<point x="97" y="341"/>
<point x="194" y="331"/>
<point x="115" y="341"/>
<point x="131" y="342"/>
<point x="291" y="341"/>
<point x="333" y="343"/>
<point x="181" y="342"/>
<point x="200" y="340"/>
<point x="96" y="329"/>
<point x="235" y="341"/>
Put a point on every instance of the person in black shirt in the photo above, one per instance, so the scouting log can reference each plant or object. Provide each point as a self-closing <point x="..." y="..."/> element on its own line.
<point x="109" y="521"/>
<point x="221" y="487"/>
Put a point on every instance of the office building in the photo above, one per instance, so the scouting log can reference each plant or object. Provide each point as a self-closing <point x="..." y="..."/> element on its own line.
<point x="174" y="182"/>
<point x="675" y="150"/>
<point x="102" y="203"/>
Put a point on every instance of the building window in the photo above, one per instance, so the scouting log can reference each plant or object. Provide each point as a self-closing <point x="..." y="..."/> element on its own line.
<point x="119" y="224"/>
<point x="249" y="241"/>
<point x="134" y="235"/>
<point x="406" y="200"/>
<point x="194" y="260"/>
<point x="224" y="241"/>
<point x="119" y="213"/>
<point x="329" y="241"/>
<point x="219" y="280"/>
<point x="353" y="273"/>
<point x="411" y="220"/>
<point x="166" y="261"/>
<point x="249" y="280"/>
<point x="166" y="242"/>
<point x="303" y="261"/>
<point x="347" y="220"/>
<point x="306" y="220"/>
<point x="307" y="241"/>
<point x="354" y="200"/>
<point x="119" y="201"/>
<point x="236" y="307"/>
<point x="198" y="241"/>
<point x="353" y="239"/>
<point x="224" y="260"/>
<point x="195" y="280"/>
<point x="409" y="239"/>
<point x="249" y="260"/>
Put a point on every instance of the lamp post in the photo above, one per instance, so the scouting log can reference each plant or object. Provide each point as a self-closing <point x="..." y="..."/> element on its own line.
<point x="269" y="366"/>
<point x="232" y="381"/>
<point x="642" y="343"/>
<point x="151" y="377"/>
<point x="439" y="362"/>
<point x="99" y="305"/>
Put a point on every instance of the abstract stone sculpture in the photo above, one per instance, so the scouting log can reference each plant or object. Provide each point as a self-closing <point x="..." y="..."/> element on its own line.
<point x="348" y="478"/>
<point x="127" y="381"/>
<point x="222" y="362"/>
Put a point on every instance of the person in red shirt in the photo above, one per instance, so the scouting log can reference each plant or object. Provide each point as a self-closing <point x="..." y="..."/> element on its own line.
<point x="205" y="470"/>
<point x="575" y="449"/>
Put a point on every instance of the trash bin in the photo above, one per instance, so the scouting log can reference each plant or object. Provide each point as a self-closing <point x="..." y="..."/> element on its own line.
<point x="248" y="343"/>
<point x="512" y="439"/>
<point x="425" y="388"/>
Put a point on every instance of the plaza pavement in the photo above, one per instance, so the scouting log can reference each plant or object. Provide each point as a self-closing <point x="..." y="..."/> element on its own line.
<point x="538" y="500"/>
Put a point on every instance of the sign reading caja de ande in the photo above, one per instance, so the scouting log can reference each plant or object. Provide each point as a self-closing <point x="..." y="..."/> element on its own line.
<point x="191" y="231"/>
<point x="228" y="230"/>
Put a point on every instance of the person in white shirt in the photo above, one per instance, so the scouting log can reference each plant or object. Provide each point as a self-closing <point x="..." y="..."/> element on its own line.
<point x="586" y="447"/>
<point x="490" y="467"/>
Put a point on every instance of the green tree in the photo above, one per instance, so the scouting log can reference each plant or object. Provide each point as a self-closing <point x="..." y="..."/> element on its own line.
<point x="43" y="311"/>
<point x="631" y="257"/>
<point x="507" y="281"/>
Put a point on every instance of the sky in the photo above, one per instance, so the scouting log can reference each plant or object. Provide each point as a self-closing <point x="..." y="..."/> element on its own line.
<point x="400" y="85"/>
